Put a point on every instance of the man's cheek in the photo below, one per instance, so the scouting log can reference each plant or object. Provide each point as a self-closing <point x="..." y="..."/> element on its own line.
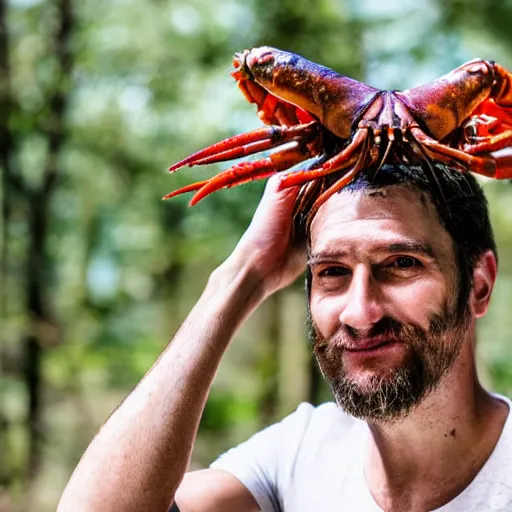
<point x="325" y="314"/>
<point x="415" y="305"/>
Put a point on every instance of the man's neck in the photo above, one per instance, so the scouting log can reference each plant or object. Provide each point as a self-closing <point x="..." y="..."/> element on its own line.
<point x="427" y="459"/>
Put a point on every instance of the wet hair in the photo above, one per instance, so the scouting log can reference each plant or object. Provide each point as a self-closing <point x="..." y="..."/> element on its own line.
<point x="460" y="204"/>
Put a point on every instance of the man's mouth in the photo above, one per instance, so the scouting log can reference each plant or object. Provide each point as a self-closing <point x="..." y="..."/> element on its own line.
<point x="370" y="344"/>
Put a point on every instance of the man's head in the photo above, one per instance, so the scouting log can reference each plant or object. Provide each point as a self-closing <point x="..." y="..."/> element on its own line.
<point x="392" y="282"/>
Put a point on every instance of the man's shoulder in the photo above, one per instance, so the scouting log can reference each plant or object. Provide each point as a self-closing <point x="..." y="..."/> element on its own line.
<point x="320" y="419"/>
<point x="311" y="434"/>
<point x="304" y="430"/>
<point x="502" y="454"/>
<point x="278" y="463"/>
<point x="498" y="468"/>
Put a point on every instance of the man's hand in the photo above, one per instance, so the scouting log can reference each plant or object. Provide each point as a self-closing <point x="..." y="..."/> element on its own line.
<point x="266" y="246"/>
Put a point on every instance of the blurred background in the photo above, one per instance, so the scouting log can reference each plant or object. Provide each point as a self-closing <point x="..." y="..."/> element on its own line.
<point x="97" y="99"/>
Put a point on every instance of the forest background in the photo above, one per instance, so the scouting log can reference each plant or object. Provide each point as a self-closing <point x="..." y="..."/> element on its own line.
<point x="97" y="99"/>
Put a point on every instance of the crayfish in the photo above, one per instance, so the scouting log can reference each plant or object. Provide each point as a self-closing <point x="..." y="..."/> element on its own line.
<point x="460" y="119"/>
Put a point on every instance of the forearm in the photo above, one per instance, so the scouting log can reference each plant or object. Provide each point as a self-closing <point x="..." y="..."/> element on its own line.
<point x="140" y="455"/>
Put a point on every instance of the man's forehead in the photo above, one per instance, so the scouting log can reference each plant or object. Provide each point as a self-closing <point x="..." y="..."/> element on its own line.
<point x="375" y="203"/>
<point x="407" y="210"/>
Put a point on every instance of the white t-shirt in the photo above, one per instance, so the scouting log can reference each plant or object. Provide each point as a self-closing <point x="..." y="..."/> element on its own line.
<point x="313" y="460"/>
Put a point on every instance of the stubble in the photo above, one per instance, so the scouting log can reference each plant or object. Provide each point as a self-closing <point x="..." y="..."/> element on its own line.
<point x="391" y="394"/>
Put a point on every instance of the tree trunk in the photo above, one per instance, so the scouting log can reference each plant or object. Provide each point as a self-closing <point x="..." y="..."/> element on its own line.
<point x="6" y="150"/>
<point x="39" y="317"/>
<point x="269" y="363"/>
<point x="37" y="270"/>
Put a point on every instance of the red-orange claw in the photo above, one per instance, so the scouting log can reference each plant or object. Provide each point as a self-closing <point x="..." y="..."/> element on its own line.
<point x="235" y="174"/>
<point x="337" y="186"/>
<point x="303" y="116"/>
<point x="339" y="162"/>
<point x="254" y="93"/>
<point x="269" y="104"/>
<point x="214" y="184"/>
<point x="493" y="143"/>
<point x="501" y="113"/>
<point x="289" y="179"/>
<point x="503" y="167"/>
<point x="249" y="171"/>
<point x="231" y="154"/>
<point x="189" y="188"/>
<point x="223" y="146"/>
<point x="300" y="177"/>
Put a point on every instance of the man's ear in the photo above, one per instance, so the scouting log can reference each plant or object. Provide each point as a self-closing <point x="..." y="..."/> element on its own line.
<point x="484" y="276"/>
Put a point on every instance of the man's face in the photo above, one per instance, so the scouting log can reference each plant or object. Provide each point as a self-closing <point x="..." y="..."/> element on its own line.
<point x="383" y="295"/>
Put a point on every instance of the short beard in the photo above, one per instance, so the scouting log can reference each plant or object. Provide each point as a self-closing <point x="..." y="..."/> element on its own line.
<point x="391" y="396"/>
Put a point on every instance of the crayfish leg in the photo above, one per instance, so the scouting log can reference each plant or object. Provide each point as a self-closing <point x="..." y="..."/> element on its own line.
<point x="249" y="171"/>
<point x="486" y="166"/>
<point x="338" y="185"/>
<point x="492" y="143"/>
<point x="341" y="161"/>
<point x="231" y="154"/>
<point x="503" y="167"/>
<point x="490" y="128"/>
<point x="244" y="144"/>
<point x="234" y="182"/>
<point x="224" y="146"/>
<point x="183" y="190"/>
<point x="342" y="182"/>
<point x="501" y="113"/>
<point x="502" y="93"/>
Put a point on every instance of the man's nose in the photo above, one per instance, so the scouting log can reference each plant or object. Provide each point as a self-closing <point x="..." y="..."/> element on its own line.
<point x="363" y="306"/>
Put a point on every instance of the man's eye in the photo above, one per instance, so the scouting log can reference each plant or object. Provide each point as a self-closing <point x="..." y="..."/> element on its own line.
<point x="405" y="262"/>
<point x="334" y="272"/>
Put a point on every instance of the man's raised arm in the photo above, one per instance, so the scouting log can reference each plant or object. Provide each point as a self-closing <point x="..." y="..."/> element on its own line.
<point x="139" y="457"/>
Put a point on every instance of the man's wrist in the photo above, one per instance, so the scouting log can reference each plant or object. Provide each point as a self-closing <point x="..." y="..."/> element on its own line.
<point x="238" y="275"/>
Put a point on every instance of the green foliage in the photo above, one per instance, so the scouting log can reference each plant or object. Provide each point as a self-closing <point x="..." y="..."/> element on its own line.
<point x="224" y="410"/>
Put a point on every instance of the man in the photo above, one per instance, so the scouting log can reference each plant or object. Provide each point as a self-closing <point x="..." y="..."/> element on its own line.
<point x="400" y="265"/>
